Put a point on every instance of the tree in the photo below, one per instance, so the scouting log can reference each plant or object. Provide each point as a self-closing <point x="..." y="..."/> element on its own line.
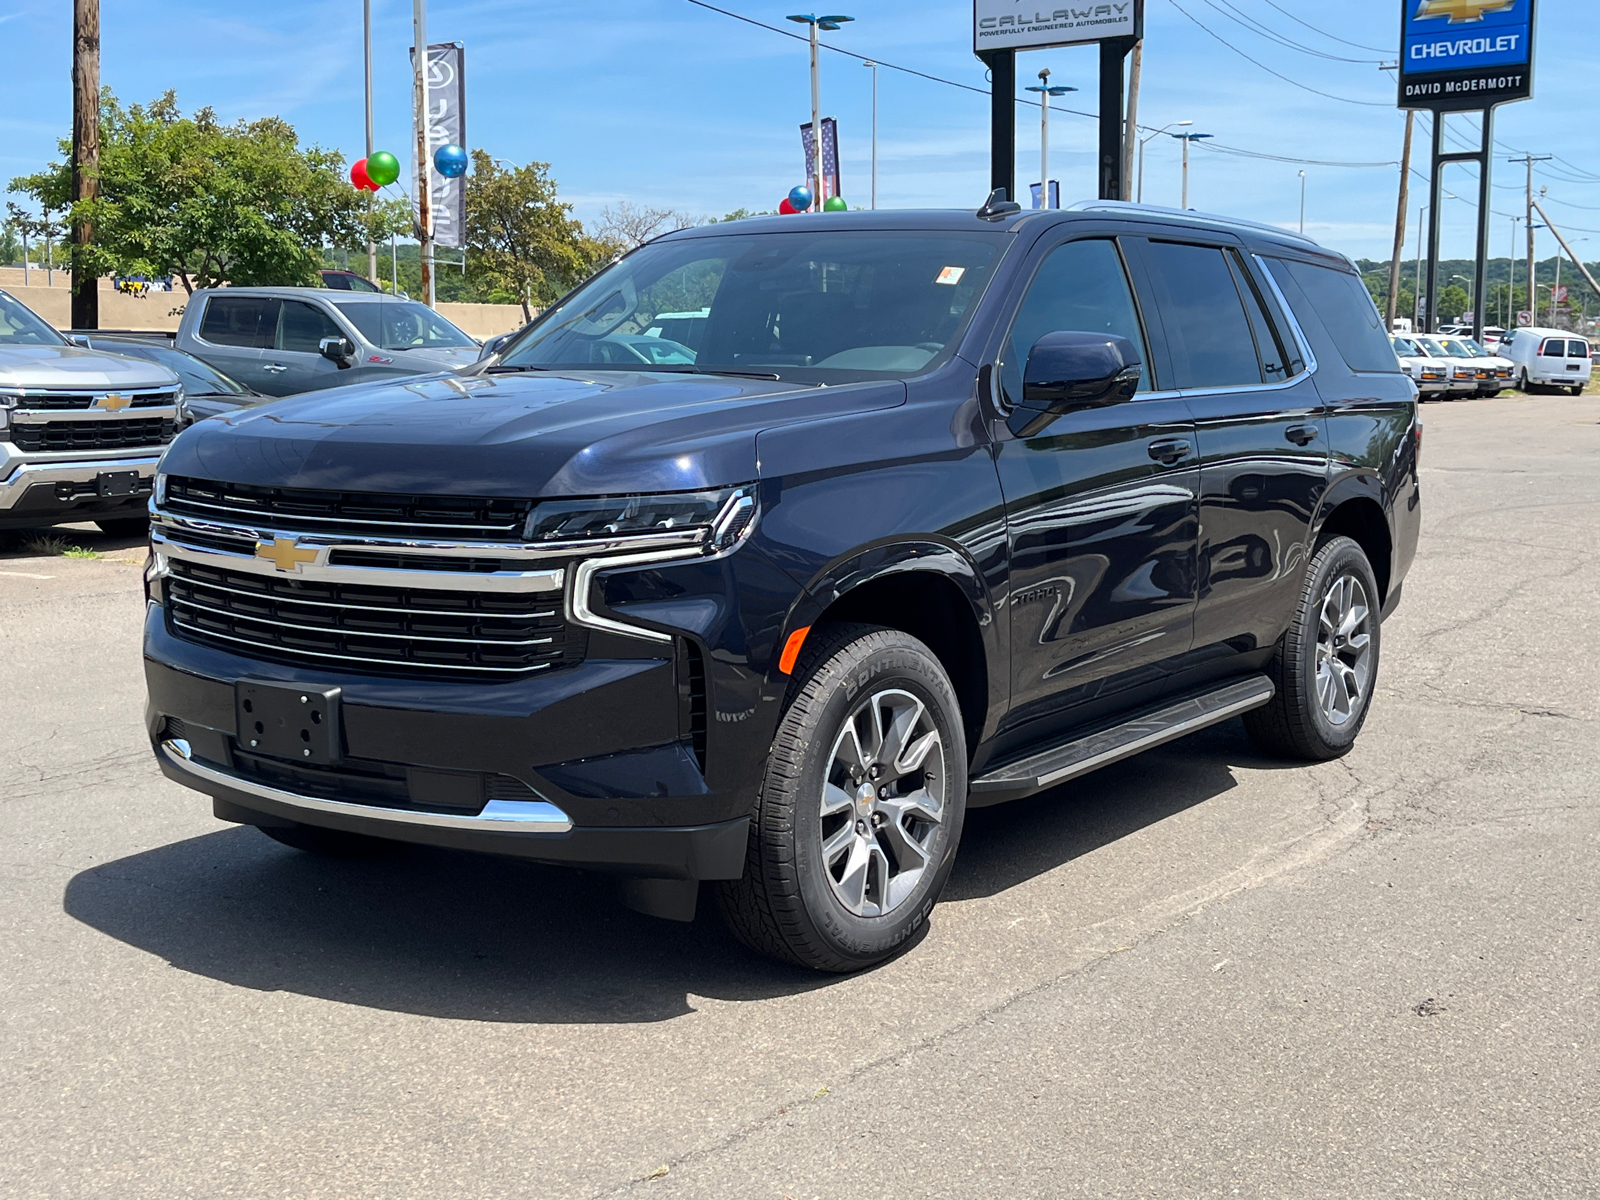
<point x="207" y="202"/>
<point x="627" y="226"/>
<point x="523" y="245"/>
<point x="1453" y="301"/>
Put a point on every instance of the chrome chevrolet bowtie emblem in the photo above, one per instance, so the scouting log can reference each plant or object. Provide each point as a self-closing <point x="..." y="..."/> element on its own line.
<point x="286" y="553"/>
<point x="113" y="402"/>
<point x="1461" y="10"/>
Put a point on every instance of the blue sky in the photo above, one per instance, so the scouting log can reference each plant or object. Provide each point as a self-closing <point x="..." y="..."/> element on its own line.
<point x="664" y="103"/>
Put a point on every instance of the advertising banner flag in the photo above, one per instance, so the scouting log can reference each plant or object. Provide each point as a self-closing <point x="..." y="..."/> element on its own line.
<point x="830" y="158"/>
<point x="447" y="125"/>
<point x="1465" y="54"/>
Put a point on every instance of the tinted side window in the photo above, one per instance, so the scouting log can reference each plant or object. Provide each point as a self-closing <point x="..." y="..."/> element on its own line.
<point x="1577" y="349"/>
<point x="1553" y="348"/>
<point x="1347" y="311"/>
<point x="1203" y="317"/>
<point x="240" y="321"/>
<point x="1081" y="288"/>
<point x="302" y="327"/>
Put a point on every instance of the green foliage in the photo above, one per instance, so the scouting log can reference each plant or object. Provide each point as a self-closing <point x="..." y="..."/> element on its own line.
<point x="1453" y="301"/>
<point x="207" y="202"/>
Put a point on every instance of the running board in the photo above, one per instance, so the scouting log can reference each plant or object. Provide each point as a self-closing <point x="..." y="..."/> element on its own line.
<point x="1154" y="728"/>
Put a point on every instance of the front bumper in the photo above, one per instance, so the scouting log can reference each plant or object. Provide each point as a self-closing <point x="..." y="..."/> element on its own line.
<point x="43" y="491"/>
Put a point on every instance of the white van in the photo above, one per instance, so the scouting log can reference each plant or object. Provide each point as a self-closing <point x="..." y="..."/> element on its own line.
<point x="1549" y="358"/>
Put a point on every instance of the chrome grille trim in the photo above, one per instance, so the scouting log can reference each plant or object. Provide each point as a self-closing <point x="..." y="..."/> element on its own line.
<point x="365" y="633"/>
<point x="544" y="615"/>
<point x="75" y="416"/>
<point x="83" y="399"/>
<point x="353" y="658"/>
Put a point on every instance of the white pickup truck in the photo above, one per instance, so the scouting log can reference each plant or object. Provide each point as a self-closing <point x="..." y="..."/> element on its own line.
<point x="81" y="430"/>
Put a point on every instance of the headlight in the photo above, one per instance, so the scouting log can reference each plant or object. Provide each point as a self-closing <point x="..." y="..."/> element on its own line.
<point x="159" y="489"/>
<point x="718" y="518"/>
<point x="8" y="401"/>
<point x="184" y="418"/>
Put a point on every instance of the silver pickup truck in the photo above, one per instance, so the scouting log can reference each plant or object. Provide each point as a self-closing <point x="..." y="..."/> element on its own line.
<point x="81" y="431"/>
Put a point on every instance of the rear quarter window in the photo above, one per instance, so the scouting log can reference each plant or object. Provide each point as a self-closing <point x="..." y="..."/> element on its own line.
<point x="1345" y="308"/>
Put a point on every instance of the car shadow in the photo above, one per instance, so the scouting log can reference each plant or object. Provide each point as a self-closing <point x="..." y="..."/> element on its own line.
<point x="450" y="934"/>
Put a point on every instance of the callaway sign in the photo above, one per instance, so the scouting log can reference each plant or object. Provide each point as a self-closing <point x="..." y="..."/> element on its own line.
<point x="1029" y="25"/>
<point x="1461" y="54"/>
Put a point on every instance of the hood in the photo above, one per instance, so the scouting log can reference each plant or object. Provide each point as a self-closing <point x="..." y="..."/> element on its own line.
<point x="433" y="358"/>
<point x="527" y="435"/>
<point x="71" y="367"/>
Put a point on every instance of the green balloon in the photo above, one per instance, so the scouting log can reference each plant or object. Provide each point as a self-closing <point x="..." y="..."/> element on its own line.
<point x="833" y="204"/>
<point x="383" y="168"/>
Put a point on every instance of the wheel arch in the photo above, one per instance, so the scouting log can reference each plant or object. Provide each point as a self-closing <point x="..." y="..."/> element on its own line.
<point x="1355" y="512"/>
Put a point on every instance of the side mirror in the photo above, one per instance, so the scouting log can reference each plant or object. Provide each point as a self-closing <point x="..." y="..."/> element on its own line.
<point x="1067" y="371"/>
<point x="337" y="350"/>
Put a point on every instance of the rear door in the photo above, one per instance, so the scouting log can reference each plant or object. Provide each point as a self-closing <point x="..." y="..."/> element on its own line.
<point x="295" y="363"/>
<point x="1100" y="510"/>
<point x="234" y="333"/>
<point x="1259" y="423"/>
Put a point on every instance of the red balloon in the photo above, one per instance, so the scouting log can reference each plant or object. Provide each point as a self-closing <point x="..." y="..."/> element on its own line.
<point x="785" y="207"/>
<point x="358" y="176"/>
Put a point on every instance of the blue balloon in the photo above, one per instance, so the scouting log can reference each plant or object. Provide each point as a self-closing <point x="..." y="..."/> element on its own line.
<point x="800" y="197"/>
<point x="450" y="161"/>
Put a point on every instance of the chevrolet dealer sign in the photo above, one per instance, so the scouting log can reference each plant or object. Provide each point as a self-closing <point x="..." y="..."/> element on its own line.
<point x="1465" y="54"/>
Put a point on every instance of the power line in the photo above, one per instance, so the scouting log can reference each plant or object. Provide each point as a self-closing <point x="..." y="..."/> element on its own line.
<point x="1256" y="27"/>
<point x="1293" y="82"/>
<point x="1324" y="33"/>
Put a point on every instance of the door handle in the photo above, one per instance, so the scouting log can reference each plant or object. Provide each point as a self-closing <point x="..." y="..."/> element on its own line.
<point x="1302" y="435"/>
<point x="1170" y="450"/>
<point x="274" y="368"/>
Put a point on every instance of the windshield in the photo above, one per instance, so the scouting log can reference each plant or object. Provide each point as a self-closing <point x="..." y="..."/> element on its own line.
<point x="1456" y="349"/>
<point x="819" y="307"/>
<point x="1407" y="347"/>
<point x="401" y="325"/>
<point x="20" y="327"/>
<point x="1474" y="349"/>
<point x="1434" y="348"/>
<point x="197" y="377"/>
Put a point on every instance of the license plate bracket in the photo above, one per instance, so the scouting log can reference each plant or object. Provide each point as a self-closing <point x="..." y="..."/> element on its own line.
<point x="290" y="721"/>
<point x="117" y="483"/>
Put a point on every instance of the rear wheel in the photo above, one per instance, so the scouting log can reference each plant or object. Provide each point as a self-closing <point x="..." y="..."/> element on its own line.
<point x="125" y="526"/>
<point x="858" y="818"/>
<point x="1579" y="389"/>
<point x="330" y="843"/>
<point x="1327" y="663"/>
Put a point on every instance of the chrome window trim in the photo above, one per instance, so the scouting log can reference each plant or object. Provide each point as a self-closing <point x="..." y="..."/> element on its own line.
<point x="1289" y="315"/>
<point x="498" y="816"/>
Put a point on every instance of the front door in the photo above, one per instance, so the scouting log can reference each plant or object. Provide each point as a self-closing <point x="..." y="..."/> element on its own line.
<point x="295" y="363"/>
<point x="1262" y="433"/>
<point x="1100" y="511"/>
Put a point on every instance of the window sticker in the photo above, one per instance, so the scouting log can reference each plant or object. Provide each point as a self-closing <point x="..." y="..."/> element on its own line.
<point x="951" y="275"/>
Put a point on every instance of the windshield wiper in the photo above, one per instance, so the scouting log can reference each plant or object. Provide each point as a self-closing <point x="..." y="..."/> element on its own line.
<point x="507" y="368"/>
<point x="709" y="371"/>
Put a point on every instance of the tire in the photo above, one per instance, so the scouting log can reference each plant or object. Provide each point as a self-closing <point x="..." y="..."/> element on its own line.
<point x="1579" y="390"/>
<point x="838" y="878"/>
<point x="1313" y="715"/>
<point x="330" y="843"/>
<point x="125" y="526"/>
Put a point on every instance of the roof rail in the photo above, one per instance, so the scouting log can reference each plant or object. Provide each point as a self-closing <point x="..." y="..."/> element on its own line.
<point x="1188" y="215"/>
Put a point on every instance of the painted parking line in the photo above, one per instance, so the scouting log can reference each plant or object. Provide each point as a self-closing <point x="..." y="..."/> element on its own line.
<point x="24" y="575"/>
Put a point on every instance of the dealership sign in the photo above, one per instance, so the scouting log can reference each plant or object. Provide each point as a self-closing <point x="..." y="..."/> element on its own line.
<point x="1030" y="25"/>
<point x="1465" y="54"/>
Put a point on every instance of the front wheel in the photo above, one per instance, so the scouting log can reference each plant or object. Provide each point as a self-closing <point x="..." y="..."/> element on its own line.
<point x="1326" y="665"/>
<point x="856" y="825"/>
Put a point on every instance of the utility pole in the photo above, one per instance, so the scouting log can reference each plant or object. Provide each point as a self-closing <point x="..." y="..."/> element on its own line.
<point x="1511" y="283"/>
<point x="1400" y="218"/>
<point x="1186" y="138"/>
<point x="366" y="30"/>
<point x="1533" y="295"/>
<point x="1416" y="299"/>
<point x="874" y="66"/>
<point x="419" y="108"/>
<point x="85" y="156"/>
<point x="1131" y="133"/>
<point x="1302" y="204"/>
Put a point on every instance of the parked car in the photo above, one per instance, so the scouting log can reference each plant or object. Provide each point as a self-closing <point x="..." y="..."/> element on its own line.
<point x="1465" y="376"/>
<point x="1430" y="374"/>
<point x="207" y="392"/>
<point x="347" y="281"/>
<point x="1546" y="358"/>
<point x="1494" y="371"/>
<point x="949" y="508"/>
<point x="81" y="431"/>
<point x="280" y="341"/>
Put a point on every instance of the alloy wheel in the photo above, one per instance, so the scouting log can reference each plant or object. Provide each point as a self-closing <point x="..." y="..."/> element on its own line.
<point x="1344" y="650"/>
<point x="883" y="802"/>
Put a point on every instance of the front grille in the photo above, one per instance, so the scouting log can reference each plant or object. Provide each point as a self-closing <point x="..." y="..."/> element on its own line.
<point x="92" y="435"/>
<point x="351" y="514"/>
<point x="394" y="631"/>
<point x="64" y="401"/>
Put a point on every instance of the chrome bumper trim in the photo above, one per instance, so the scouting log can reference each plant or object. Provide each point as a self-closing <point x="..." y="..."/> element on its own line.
<point x="15" y="485"/>
<point x="498" y="816"/>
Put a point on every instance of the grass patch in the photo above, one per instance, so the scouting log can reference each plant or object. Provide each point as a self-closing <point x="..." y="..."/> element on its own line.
<point x="50" y="546"/>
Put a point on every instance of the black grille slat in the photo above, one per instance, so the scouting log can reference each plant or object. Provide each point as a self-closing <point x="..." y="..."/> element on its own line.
<point x="352" y="514"/>
<point x="376" y="629"/>
<point x="82" y="401"/>
<point x="92" y="435"/>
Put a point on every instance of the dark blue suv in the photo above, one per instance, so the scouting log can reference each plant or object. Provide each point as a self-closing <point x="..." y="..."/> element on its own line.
<point x="943" y="509"/>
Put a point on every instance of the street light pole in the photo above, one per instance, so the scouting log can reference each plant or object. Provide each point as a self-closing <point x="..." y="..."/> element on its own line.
<point x="366" y="33"/>
<point x="1144" y="141"/>
<point x="815" y="23"/>
<point x="419" y="106"/>
<point x="1186" y="138"/>
<point x="1045" y="92"/>
<point x="874" y="66"/>
<point x="1302" y="204"/>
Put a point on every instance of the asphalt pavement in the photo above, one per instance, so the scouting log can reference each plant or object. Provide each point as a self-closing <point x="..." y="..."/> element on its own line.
<point x="1198" y="973"/>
